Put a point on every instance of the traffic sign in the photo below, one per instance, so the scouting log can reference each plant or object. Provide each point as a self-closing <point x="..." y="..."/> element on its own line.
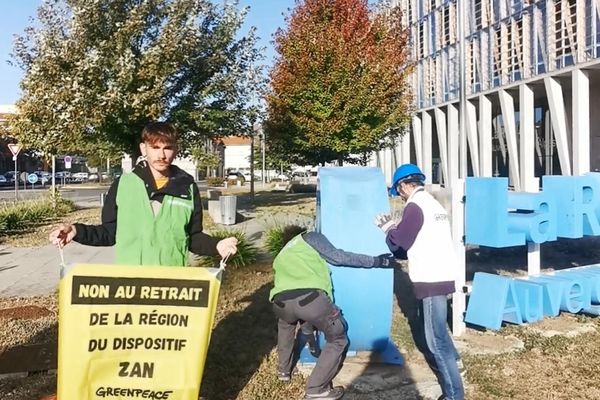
<point x="68" y="160"/>
<point x="14" y="149"/>
<point x="32" y="178"/>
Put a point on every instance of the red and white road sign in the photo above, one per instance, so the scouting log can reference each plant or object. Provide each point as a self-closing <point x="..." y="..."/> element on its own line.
<point x="14" y="148"/>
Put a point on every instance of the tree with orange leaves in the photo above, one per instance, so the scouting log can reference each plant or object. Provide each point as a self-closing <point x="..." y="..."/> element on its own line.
<point x="339" y="86"/>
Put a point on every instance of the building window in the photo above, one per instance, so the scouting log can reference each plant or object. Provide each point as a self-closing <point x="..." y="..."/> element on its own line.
<point x="516" y="49"/>
<point x="477" y="14"/>
<point x="565" y="24"/>
<point x="475" y="81"/>
<point x="446" y="17"/>
<point x="432" y="34"/>
<point x="497" y="59"/>
<point x="540" y="49"/>
<point x="421" y="52"/>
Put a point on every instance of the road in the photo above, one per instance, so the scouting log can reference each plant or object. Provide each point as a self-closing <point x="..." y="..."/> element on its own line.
<point x="82" y="195"/>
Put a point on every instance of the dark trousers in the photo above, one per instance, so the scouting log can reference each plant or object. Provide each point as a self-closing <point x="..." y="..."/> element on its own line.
<point x="317" y="310"/>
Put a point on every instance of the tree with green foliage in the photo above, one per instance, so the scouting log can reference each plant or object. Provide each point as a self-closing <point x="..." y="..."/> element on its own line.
<point x="205" y="158"/>
<point x="339" y="86"/>
<point x="96" y="72"/>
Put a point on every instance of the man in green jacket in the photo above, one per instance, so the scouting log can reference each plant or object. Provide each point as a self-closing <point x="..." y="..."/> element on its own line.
<point x="303" y="292"/>
<point x="157" y="207"/>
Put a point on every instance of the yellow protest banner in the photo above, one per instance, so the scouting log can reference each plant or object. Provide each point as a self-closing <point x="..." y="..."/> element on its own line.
<point x="134" y="332"/>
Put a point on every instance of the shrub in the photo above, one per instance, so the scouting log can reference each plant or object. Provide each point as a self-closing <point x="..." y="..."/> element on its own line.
<point x="234" y="182"/>
<point x="246" y="251"/>
<point x="18" y="216"/>
<point x="215" y="181"/>
<point x="302" y="188"/>
<point x="274" y="237"/>
<point x="274" y="240"/>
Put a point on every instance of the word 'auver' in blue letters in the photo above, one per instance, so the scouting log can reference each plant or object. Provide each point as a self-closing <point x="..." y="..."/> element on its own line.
<point x="496" y="298"/>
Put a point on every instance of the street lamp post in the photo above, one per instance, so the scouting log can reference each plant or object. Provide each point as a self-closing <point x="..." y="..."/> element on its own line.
<point x="264" y="145"/>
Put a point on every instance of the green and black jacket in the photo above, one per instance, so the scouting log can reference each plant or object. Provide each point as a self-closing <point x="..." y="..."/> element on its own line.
<point x="181" y="185"/>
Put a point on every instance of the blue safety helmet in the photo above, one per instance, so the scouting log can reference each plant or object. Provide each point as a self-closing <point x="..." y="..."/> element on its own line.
<point x="406" y="172"/>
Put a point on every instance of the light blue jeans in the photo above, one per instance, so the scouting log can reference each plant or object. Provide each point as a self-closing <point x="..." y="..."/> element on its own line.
<point x="440" y="344"/>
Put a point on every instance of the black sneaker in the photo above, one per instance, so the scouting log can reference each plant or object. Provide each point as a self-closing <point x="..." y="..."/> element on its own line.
<point x="284" y="376"/>
<point x="331" y="394"/>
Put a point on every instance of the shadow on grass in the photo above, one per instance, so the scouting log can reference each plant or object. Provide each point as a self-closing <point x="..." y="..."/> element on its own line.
<point x="238" y="346"/>
<point x="555" y="255"/>
<point x="273" y="199"/>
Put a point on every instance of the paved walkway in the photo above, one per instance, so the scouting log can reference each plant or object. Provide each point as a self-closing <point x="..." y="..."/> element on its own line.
<point x="33" y="271"/>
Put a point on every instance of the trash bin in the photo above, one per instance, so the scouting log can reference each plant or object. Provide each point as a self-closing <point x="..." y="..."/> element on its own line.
<point x="228" y="209"/>
<point x="213" y="194"/>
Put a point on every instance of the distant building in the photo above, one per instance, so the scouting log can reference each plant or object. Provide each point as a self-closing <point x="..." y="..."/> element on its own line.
<point x="236" y="155"/>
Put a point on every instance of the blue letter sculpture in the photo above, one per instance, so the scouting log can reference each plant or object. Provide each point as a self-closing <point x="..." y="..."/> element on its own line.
<point x="348" y="200"/>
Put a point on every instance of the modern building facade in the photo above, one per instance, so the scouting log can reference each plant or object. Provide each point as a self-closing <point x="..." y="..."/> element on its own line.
<point x="501" y="88"/>
<point x="530" y="75"/>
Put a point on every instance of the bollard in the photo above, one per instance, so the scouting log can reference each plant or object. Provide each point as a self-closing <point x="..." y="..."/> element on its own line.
<point x="102" y="198"/>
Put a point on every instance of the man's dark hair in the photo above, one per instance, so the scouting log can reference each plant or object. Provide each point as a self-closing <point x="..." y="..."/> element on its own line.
<point x="290" y="232"/>
<point x="159" y="132"/>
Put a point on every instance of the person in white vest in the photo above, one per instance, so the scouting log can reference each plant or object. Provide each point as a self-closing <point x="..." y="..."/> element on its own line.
<point x="423" y="235"/>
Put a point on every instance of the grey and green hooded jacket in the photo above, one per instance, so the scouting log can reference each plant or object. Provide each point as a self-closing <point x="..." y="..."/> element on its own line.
<point x="151" y="226"/>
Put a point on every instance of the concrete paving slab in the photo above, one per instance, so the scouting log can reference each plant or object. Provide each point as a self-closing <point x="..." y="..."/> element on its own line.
<point x="34" y="271"/>
<point x="367" y="380"/>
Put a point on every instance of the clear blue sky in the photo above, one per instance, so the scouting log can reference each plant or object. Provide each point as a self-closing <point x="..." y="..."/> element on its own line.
<point x="266" y="15"/>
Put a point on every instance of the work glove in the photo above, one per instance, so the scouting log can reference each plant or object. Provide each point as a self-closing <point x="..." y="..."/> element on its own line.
<point x="385" y="222"/>
<point x="385" y="260"/>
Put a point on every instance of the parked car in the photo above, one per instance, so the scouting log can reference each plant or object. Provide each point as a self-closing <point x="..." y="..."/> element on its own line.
<point x="247" y="175"/>
<point x="10" y="176"/>
<point x="236" y="176"/>
<point x="3" y="181"/>
<point x="309" y="177"/>
<point x="63" y="175"/>
<point x="43" y="176"/>
<point x="93" y="177"/>
<point x="80" y="176"/>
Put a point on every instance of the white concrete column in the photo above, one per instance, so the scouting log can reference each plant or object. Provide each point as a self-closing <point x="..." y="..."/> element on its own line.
<point x="527" y="166"/>
<point x="485" y="136"/>
<point x="507" y="106"/>
<point x="559" y="122"/>
<point x="405" y="150"/>
<point x="527" y="139"/>
<point x="440" y="124"/>
<point x="388" y="166"/>
<point x="417" y="136"/>
<point x="373" y="159"/>
<point x="427" y="145"/>
<point x="453" y="144"/>
<point x="472" y="137"/>
<point x="581" y="122"/>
